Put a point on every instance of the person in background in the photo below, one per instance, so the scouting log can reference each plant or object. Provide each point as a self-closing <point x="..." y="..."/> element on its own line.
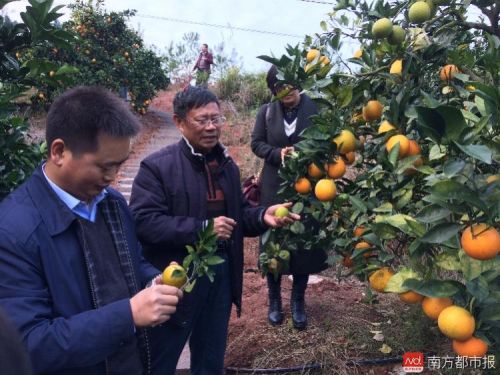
<point x="202" y="66"/>
<point x="73" y="275"/>
<point x="277" y="128"/>
<point x="176" y="191"/>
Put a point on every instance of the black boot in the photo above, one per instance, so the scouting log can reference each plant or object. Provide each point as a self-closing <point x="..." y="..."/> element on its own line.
<point x="275" y="310"/>
<point x="298" y="305"/>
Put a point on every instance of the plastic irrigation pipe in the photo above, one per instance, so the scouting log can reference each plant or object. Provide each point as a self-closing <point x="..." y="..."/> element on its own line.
<point x="313" y="366"/>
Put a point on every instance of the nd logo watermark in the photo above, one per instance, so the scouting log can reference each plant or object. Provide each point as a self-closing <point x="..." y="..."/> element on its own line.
<point x="413" y="362"/>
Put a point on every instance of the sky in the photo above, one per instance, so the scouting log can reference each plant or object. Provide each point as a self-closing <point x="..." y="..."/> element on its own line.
<point x="155" y="22"/>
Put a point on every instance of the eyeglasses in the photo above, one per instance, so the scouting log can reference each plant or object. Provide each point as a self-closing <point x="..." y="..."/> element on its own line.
<point x="203" y="122"/>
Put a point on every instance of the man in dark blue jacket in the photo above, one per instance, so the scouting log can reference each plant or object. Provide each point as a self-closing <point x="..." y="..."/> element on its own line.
<point x="72" y="272"/>
<point x="176" y="191"/>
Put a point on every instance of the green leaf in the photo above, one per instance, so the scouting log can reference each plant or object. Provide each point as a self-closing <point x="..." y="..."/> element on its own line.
<point x="384" y="207"/>
<point x="473" y="268"/>
<point x="490" y="312"/>
<point x="213" y="260"/>
<point x="297" y="227"/>
<point x="434" y="288"/>
<point x="452" y="190"/>
<point x="395" y="284"/>
<point x="479" y="152"/>
<point x="441" y="233"/>
<point x="437" y="152"/>
<point x="432" y="213"/>
<point x="452" y="167"/>
<point x="448" y="262"/>
<point x="298" y="207"/>
<point x="358" y="203"/>
<point x="478" y="287"/>
<point x="441" y="122"/>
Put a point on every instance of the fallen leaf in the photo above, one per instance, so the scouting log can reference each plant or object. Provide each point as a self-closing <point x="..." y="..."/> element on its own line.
<point x="386" y="349"/>
<point x="379" y="337"/>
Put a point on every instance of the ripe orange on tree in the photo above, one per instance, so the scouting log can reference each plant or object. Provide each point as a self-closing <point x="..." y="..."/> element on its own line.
<point x="404" y="144"/>
<point x="314" y="171"/>
<point x="325" y="189"/>
<point x="349" y="157"/>
<point x="481" y="241"/>
<point x="358" y="231"/>
<point x="385" y="126"/>
<point x="312" y="54"/>
<point x="433" y="306"/>
<point x="411" y="297"/>
<point x="345" y="141"/>
<point x="302" y="185"/>
<point x="414" y="148"/>
<point x="447" y="72"/>
<point x="347" y="261"/>
<point x="372" y="110"/>
<point x="363" y="245"/>
<point x="379" y="279"/>
<point x="336" y="169"/>
<point x="457" y="323"/>
<point x="473" y="347"/>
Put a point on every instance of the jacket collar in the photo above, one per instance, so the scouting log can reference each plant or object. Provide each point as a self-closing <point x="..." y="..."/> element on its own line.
<point x="56" y="215"/>
<point x="198" y="158"/>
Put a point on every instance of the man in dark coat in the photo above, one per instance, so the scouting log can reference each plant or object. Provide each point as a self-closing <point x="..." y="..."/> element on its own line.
<point x="174" y="194"/>
<point x="72" y="272"/>
<point x="277" y="129"/>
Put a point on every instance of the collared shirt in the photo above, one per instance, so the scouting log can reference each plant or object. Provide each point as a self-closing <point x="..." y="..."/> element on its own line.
<point x="82" y="209"/>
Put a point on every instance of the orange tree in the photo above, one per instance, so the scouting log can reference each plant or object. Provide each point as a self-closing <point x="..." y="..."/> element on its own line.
<point x="107" y="52"/>
<point x="19" y="72"/>
<point x="430" y="75"/>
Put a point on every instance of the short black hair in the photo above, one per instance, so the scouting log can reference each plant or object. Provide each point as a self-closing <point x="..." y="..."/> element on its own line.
<point x="80" y="114"/>
<point x="192" y="97"/>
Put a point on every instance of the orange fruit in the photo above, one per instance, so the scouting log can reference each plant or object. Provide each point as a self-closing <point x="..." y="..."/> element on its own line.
<point x="414" y="148"/>
<point x="312" y="54"/>
<point x="481" y="241"/>
<point x="404" y="144"/>
<point x="456" y="323"/>
<point x="372" y="110"/>
<point x="411" y="297"/>
<point x="358" y="231"/>
<point x="472" y="347"/>
<point x="174" y="275"/>
<point x="379" y="279"/>
<point x="314" y="171"/>
<point x="347" y="262"/>
<point x="357" y="54"/>
<point x="345" y="141"/>
<point x="492" y="178"/>
<point x="302" y="185"/>
<point x="447" y="72"/>
<point x="349" y="157"/>
<point x="324" y="60"/>
<point x="336" y="169"/>
<point x="385" y="126"/>
<point x="363" y="245"/>
<point x="433" y="306"/>
<point x="325" y="190"/>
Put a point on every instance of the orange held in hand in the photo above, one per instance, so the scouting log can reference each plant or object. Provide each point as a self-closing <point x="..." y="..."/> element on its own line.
<point x="174" y="275"/>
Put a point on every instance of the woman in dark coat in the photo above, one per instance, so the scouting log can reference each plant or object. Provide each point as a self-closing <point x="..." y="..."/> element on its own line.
<point x="277" y="129"/>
